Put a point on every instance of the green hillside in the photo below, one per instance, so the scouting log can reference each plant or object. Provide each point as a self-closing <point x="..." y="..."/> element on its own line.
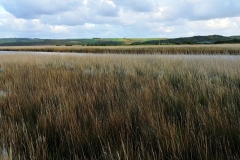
<point x="211" y="39"/>
<point x="93" y="41"/>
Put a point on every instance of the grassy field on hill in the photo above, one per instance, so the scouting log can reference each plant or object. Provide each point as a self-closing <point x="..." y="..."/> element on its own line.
<point x="119" y="107"/>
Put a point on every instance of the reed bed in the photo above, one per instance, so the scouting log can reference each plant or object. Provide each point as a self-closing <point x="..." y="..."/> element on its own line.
<point x="119" y="107"/>
<point x="233" y="49"/>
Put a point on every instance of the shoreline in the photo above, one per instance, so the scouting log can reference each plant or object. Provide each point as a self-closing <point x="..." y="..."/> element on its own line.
<point x="232" y="49"/>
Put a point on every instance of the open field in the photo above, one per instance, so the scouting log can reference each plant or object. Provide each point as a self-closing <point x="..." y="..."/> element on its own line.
<point x="119" y="107"/>
<point x="233" y="49"/>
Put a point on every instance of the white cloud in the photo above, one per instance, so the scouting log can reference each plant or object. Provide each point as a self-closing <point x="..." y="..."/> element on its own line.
<point x="221" y="24"/>
<point x="89" y="26"/>
<point x="118" y="18"/>
<point x="104" y="8"/>
<point x="164" y="13"/>
<point x="109" y="2"/>
<point x="59" y="29"/>
<point x="214" y="24"/>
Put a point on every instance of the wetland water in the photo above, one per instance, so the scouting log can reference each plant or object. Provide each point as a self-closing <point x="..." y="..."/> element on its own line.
<point x="178" y="56"/>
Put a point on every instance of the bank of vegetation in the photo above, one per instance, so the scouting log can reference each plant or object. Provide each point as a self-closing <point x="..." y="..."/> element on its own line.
<point x="223" y="49"/>
<point x="119" y="107"/>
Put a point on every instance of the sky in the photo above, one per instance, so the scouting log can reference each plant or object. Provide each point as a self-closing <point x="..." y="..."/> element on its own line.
<point x="62" y="19"/>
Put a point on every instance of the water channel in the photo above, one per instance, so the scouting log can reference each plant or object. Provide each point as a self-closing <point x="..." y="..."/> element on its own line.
<point x="183" y="56"/>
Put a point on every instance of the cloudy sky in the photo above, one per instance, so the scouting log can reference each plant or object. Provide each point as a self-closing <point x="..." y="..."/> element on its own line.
<point x="118" y="18"/>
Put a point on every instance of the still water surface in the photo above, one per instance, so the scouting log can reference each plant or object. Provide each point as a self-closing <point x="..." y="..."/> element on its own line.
<point x="181" y="56"/>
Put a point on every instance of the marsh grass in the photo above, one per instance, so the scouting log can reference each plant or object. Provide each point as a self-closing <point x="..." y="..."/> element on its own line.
<point x="120" y="107"/>
<point x="231" y="49"/>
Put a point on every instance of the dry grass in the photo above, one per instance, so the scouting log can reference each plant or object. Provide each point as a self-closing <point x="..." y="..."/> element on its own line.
<point x="233" y="49"/>
<point x="123" y="107"/>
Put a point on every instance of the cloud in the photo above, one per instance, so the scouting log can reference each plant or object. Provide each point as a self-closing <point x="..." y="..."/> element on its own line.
<point x="161" y="10"/>
<point x="103" y="8"/>
<point x="28" y="9"/>
<point x="68" y="18"/>
<point x="118" y="18"/>
<point x="135" y="5"/>
<point x="205" y="10"/>
<point x="193" y="10"/>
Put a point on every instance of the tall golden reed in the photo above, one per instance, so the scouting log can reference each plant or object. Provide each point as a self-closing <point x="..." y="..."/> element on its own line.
<point x="120" y="107"/>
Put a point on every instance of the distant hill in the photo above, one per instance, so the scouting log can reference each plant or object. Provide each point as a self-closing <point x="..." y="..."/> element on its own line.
<point x="211" y="39"/>
<point x="236" y="37"/>
<point x="69" y="42"/>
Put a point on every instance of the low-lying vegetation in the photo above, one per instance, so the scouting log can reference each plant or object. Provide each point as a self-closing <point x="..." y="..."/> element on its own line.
<point x="232" y="49"/>
<point x="119" y="107"/>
